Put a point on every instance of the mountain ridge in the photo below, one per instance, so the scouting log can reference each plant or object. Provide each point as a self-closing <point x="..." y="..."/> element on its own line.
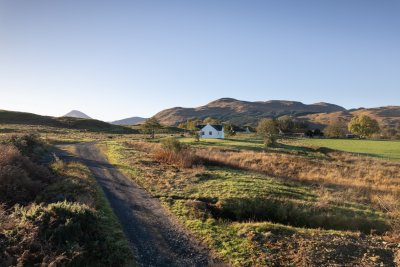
<point x="243" y="112"/>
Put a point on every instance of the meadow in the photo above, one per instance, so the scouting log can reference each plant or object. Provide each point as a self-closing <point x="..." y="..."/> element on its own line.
<point x="377" y="148"/>
<point x="295" y="204"/>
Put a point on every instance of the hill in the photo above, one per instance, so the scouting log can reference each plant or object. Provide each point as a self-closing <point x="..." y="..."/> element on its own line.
<point x="129" y="121"/>
<point x="13" y="117"/>
<point x="388" y="116"/>
<point x="243" y="112"/>
<point x="77" y="114"/>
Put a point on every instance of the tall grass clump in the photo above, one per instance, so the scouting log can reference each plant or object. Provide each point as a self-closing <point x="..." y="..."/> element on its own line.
<point x="20" y="178"/>
<point x="174" y="152"/>
<point x="29" y="145"/>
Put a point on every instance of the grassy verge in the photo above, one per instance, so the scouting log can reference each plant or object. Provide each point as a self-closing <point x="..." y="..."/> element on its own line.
<point x="115" y="245"/>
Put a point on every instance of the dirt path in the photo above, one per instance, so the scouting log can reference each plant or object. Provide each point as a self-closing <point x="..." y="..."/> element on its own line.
<point x="156" y="239"/>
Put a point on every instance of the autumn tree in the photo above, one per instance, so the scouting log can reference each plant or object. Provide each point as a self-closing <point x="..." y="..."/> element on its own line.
<point x="285" y="123"/>
<point x="191" y="128"/>
<point x="150" y="126"/>
<point x="229" y="129"/>
<point x="268" y="130"/>
<point x="335" y="129"/>
<point x="363" y="126"/>
<point x="211" y="121"/>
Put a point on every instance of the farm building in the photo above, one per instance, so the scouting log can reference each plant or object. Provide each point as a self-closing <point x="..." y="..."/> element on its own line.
<point x="211" y="131"/>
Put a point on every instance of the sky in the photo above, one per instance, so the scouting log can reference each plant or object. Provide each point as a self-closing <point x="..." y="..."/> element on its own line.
<point x="117" y="59"/>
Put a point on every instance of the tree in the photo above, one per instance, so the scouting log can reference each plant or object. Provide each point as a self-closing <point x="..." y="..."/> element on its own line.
<point x="285" y="123"/>
<point x="335" y="130"/>
<point x="268" y="130"/>
<point x="317" y="132"/>
<point x="309" y="133"/>
<point x="196" y="136"/>
<point x="150" y="126"/>
<point x="363" y="126"/>
<point x="300" y="125"/>
<point x="191" y="127"/>
<point x="211" y="121"/>
<point x="389" y="132"/>
<point x="229" y="129"/>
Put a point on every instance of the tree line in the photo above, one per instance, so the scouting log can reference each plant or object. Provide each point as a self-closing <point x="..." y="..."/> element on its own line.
<point x="361" y="126"/>
<point x="270" y="129"/>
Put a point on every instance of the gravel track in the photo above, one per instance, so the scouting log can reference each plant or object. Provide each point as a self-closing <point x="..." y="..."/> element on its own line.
<point x="156" y="239"/>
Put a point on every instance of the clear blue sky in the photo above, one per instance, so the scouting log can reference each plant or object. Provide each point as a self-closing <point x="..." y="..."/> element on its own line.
<point x="116" y="59"/>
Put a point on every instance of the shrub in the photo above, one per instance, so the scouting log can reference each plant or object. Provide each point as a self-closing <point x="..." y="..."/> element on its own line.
<point x="61" y="234"/>
<point x="20" y="179"/>
<point x="335" y="130"/>
<point x="174" y="152"/>
<point x="29" y="145"/>
<point x="268" y="130"/>
<point x="172" y="144"/>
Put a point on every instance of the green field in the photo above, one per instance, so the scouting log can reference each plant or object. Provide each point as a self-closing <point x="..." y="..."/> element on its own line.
<point x="376" y="148"/>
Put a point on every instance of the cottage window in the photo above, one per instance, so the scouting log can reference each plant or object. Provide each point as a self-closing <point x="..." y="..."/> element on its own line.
<point x="210" y="132"/>
<point x="202" y="133"/>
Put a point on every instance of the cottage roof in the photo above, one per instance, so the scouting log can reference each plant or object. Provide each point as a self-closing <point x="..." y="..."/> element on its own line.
<point x="215" y="126"/>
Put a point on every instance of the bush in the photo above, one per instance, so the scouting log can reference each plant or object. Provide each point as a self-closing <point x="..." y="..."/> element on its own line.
<point x="335" y="130"/>
<point x="29" y="145"/>
<point x="80" y="232"/>
<point x="60" y="234"/>
<point x="20" y="179"/>
<point x="174" y="152"/>
<point x="172" y="144"/>
<point x="268" y="130"/>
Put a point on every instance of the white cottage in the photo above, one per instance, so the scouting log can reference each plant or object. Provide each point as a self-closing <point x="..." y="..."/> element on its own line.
<point x="211" y="131"/>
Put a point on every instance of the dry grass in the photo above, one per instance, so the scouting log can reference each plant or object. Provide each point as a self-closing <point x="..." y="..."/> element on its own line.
<point x="181" y="157"/>
<point x="20" y="178"/>
<point x="184" y="158"/>
<point x="245" y="217"/>
<point x="340" y="177"/>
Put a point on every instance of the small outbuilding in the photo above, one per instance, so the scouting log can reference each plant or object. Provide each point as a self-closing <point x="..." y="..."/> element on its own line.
<point x="211" y="131"/>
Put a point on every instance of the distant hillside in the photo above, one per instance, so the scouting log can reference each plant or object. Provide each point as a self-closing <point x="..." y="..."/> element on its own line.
<point x="243" y="112"/>
<point x="129" y="121"/>
<point x="77" y="114"/>
<point x="12" y="117"/>
<point x="386" y="116"/>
